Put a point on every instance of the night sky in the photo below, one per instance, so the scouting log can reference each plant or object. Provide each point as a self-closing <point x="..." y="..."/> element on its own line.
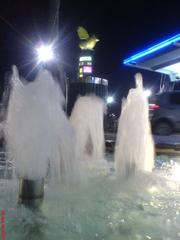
<point x="123" y="29"/>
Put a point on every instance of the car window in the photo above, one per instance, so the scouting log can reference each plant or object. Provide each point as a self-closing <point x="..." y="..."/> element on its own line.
<point x="153" y="99"/>
<point x="161" y="98"/>
<point x="175" y="98"/>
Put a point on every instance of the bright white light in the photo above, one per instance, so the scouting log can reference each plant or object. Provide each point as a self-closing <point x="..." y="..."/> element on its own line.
<point x="173" y="69"/>
<point x="110" y="99"/>
<point x="147" y="92"/>
<point x="45" y="53"/>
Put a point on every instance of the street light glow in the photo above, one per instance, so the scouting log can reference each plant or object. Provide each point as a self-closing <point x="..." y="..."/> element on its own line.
<point x="45" y="53"/>
<point x="110" y="99"/>
<point x="147" y="92"/>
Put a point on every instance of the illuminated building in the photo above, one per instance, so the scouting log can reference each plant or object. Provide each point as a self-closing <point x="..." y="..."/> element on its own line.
<point x="86" y="67"/>
<point x="86" y="82"/>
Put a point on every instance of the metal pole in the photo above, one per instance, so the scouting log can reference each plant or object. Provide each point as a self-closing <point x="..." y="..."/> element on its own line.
<point x="31" y="192"/>
<point x="54" y="19"/>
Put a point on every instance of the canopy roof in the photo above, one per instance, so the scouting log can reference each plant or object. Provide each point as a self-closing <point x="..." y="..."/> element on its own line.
<point x="163" y="57"/>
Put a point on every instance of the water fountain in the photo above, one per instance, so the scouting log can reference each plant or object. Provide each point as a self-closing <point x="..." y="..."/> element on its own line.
<point x="44" y="146"/>
<point x="34" y="146"/>
<point x="134" y="145"/>
<point x="89" y="132"/>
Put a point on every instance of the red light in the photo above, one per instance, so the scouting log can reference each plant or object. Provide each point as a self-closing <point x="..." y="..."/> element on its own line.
<point x="153" y="106"/>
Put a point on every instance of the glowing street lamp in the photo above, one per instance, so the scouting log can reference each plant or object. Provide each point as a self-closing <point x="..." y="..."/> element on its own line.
<point x="110" y="99"/>
<point x="45" y="53"/>
<point x="147" y="92"/>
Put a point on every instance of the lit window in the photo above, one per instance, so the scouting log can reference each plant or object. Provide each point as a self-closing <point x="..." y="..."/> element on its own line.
<point x="85" y="58"/>
<point x="87" y="69"/>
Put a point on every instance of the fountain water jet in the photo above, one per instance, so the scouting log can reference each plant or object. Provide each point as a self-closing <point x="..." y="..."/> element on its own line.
<point x="104" y="208"/>
<point x="134" y="145"/>
<point x="87" y="120"/>
<point x="38" y="133"/>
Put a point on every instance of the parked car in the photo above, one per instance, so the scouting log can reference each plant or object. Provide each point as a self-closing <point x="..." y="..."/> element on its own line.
<point x="164" y="112"/>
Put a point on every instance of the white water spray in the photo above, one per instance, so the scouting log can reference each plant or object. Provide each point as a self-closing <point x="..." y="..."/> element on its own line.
<point x="37" y="131"/>
<point x="87" y="120"/>
<point x="134" y="145"/>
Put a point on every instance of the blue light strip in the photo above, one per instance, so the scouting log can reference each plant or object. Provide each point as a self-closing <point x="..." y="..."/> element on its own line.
<point x="155" y="48"/>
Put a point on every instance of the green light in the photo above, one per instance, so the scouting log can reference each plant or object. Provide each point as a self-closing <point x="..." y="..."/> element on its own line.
<point x="85" y="58"/>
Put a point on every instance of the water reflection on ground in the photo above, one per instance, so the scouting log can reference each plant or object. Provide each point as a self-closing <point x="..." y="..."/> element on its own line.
<point x="145" y="206"/>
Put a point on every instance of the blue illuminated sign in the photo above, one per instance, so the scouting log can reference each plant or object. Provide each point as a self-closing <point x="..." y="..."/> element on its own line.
<point x="153" y="49"/>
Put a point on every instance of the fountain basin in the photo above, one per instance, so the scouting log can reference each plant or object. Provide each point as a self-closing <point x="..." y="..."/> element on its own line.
<point x="145" y="206"/>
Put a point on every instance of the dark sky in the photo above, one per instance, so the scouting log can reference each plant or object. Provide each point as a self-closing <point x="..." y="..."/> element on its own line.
<point x="123" y="29"/>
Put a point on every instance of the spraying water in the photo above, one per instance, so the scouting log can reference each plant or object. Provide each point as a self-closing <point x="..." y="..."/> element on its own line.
<point x="37" y="131"/>
<point x="134" y="145"/>
<point x="87" y="120"/>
